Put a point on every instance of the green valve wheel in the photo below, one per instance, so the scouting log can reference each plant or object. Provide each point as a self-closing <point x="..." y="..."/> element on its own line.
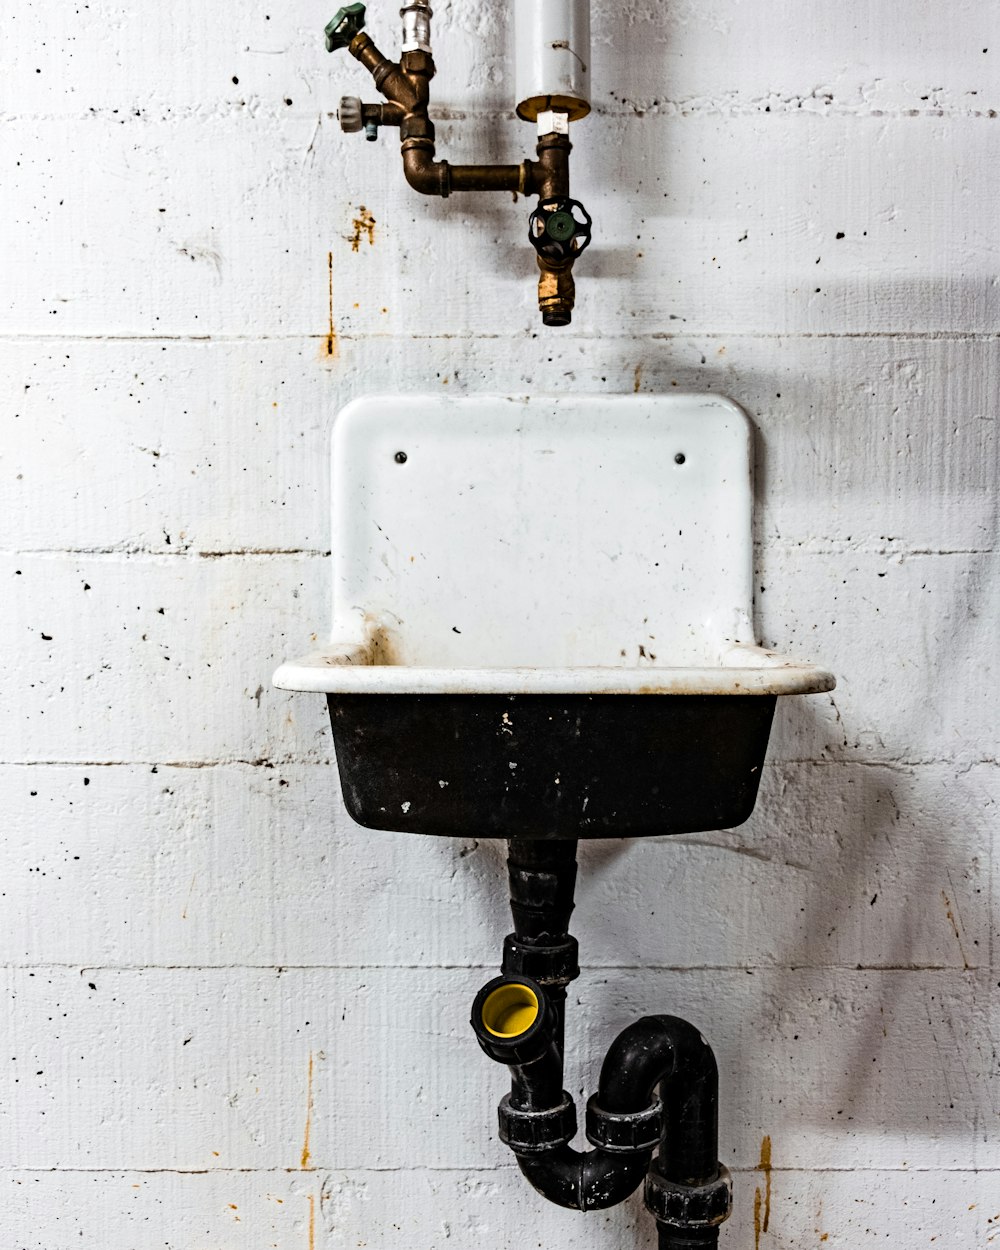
<point x="560" y="229"/>
<point x="343" y="26"/>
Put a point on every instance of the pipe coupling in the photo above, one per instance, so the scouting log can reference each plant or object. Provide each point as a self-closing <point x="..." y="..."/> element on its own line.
<point x="531" y="1132"/>
<point x="551" y="965"/>
<point x="624" y="1132"/>
<point x="689" y="1206"/>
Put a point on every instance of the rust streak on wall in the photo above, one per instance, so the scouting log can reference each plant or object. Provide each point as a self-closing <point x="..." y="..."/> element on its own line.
<point x="304" y="1162"/>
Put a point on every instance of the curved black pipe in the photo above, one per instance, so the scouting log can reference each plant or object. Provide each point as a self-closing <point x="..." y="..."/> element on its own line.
<point x="582" y="1181"/>
<point x="662" y="1051"/>
<point x="668" y="1052"/>
<point x="588" y="1181"/>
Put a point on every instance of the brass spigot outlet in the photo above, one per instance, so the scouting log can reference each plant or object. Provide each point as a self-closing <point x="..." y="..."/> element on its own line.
<point x="556" y="292"/>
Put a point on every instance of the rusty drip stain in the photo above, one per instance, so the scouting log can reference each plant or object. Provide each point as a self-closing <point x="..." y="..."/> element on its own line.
<point x="304" y="1162"/>
<point x="765" y="1167"/>
<point x="364" y="223"/>
<point x="950" y="913"/>
<point x="312" y="1222"/>
<point x="756" y="1219"/>
<point x="331" y="334"/>
<point x="637" y="381"/>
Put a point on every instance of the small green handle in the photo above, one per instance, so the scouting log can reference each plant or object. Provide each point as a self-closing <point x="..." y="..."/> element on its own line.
<point x="343" y="26"/>
<point x="560" y="226"/>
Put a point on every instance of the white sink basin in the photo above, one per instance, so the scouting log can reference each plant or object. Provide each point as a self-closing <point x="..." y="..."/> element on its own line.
<point x="513" y="577"/>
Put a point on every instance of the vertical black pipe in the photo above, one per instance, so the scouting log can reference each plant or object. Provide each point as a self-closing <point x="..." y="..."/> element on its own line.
<point x="542" y="876"/>
<point x="692" y="1239"/>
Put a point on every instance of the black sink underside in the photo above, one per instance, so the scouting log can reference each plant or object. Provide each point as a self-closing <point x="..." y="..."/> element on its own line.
<point x="550" y="766"/>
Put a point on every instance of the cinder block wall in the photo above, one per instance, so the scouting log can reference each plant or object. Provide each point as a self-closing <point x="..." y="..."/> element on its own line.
<point x="235" y="1020"/>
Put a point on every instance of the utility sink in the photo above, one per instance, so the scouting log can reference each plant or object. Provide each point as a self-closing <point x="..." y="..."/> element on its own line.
<point x="542" y="617"/>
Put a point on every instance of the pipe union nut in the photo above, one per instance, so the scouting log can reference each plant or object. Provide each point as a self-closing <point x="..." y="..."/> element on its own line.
<point x="689" y="1206"/>
<point x="530" y="1132"/>
<point x="548" y="965"/>
<point x="624" y="1132"/>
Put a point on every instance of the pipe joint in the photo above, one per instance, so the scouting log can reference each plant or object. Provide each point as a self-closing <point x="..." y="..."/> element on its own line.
<point x="418" y="64"/>
<point x="417" y="126"/>
<point x="551" y="965"/>
<point x="624" y="1132"/>
<point x="531" y="1132"/>
<point x="689" y="1207"/>
<point x="422" y="171"/>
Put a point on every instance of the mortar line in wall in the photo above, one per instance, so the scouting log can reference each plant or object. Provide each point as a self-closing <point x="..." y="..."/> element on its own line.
<point x="154" y="554"/>
<point x="809" y="104"/>
<point x="592" y="969"/>
<point x="750" y="1170"/>
<point x="916" y="336"/>
<point x="275" y="762"/>
<point x="761" y="547"/>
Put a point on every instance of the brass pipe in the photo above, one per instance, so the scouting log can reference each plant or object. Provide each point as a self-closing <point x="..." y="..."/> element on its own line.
<point x="390" y="79"/>
<point x="551" y="170"/>
<point x="406" y="87"/>
<point x="422" y="171"/>
<point x="489" y="177"/>
<point x="431" y="177"/>
<point x="556" y="285"/>
<point x="387" y="114"/>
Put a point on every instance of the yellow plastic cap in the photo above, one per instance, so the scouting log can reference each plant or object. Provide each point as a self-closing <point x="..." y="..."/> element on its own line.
<point x="510" y="1010"/>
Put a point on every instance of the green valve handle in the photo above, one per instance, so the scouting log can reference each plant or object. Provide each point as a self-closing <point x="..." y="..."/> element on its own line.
<point x="343" y="26"/>
<point x="560" y="226"/>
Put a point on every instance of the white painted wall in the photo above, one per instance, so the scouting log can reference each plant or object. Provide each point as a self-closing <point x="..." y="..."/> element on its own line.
<point x="232" y="1018"/>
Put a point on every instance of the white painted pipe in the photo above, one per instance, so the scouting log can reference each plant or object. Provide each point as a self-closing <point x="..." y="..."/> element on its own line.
<point x="552" y="57"/>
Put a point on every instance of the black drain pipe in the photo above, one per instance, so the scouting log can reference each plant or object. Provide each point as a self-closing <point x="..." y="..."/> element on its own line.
<point x="542" y="880"/>
<point x="519" y="1020"/>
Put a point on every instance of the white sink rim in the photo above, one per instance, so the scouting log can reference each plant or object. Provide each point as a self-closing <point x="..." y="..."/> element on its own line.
<point x="353" y="668"/>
